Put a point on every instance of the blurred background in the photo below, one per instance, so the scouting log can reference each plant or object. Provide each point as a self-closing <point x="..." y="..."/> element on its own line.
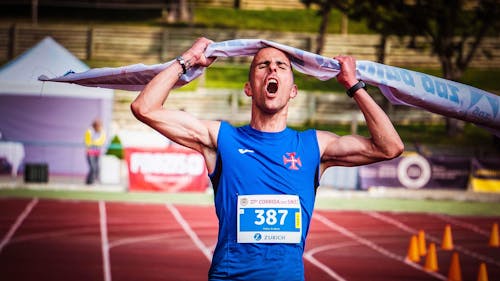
<point x="42" y="125"/>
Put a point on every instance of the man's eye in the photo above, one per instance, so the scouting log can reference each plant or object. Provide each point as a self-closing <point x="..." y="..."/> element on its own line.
<point x="283" y="66"/>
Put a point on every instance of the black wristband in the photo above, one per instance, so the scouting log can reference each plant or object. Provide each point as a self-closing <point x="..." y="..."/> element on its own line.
<point x="350" y="92"/>
<point x="180" y="59"/>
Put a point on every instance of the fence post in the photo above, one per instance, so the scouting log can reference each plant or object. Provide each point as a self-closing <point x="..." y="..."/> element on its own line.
<point x="163" y="44"/>
<point x="311" y="107"/>
<point x="234" y="102"/>
<point x="90" y="43"/>
<point x="34" y="12"/>
<point x="354" y="123"/>
<point x="344" y="24"/>
<point x="12" y="42"/>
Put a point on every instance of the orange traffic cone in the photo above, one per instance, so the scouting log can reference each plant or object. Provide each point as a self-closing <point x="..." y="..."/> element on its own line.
<point x="413" y="254"/>
<point x="454" y="272"/>
<point x="482" y="275"/>
<point x="447" y="243"/>
<point x="494" y="236"/>
<point x="422" y="248"/>
<point x="431" y="263"/>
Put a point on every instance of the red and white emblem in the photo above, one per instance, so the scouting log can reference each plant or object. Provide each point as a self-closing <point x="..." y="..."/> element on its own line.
<point x="291" y="159"/>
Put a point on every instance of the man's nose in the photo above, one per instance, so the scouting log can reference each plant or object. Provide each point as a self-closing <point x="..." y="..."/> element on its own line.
<point x="273" y="66"/>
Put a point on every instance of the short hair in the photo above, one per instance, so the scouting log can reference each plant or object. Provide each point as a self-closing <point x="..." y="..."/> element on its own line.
<point x="288" y="56"/>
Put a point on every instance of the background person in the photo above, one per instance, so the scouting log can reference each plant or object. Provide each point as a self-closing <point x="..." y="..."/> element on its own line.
<point x="264" y="158"/>
<point x="95" y="138"/>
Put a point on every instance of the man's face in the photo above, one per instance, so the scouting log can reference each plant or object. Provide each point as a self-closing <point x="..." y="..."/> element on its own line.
<point x="271" y="82"/>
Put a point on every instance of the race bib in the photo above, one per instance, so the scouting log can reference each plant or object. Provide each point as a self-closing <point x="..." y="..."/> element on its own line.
<point x="269" y="219"/>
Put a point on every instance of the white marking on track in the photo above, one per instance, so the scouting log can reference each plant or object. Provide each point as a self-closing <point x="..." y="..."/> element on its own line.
<point x="189" y="231"/>
<point x="463" y="224"/>
<point x="309" y="256"/>
<point x="373" y="246"/>
<point x="408" y="229"/>
<point x="52" y="234"/>
<point x="20" y="219"/>
<point x="147" y="238"/>
<point x="104" y="241"/>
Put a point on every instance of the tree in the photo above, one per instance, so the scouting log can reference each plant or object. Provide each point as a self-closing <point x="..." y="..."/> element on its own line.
<point x="236" y="4"/>
<point x="178" y="11"/>
<point x="324" y="10"/>
<point x="453" y="28"/>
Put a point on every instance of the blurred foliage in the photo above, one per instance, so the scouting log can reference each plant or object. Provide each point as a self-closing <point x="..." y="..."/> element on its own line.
<point x="115" y="148"/>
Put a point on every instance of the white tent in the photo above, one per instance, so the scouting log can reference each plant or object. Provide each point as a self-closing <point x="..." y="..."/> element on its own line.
<point x="50" y="118"/>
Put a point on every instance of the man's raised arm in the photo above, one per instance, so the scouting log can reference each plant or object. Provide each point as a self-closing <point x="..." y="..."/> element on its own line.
<point x="353" y="150"/>
<point x="179" y="126"/>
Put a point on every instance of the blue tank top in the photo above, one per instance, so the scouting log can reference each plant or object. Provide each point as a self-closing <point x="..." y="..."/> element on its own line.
<point x="253" y="162"/>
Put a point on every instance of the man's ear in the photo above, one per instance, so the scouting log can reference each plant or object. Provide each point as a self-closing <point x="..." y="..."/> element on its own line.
<point x="248" y="89"/>
<point x="294" y="92"/>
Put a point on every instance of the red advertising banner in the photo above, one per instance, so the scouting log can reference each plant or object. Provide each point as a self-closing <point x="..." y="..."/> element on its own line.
<point x="170" y="169"/>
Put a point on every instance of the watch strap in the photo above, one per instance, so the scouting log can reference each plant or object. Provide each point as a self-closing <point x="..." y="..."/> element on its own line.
<point x="181" y="61"/>
<point x="350" y="92"/>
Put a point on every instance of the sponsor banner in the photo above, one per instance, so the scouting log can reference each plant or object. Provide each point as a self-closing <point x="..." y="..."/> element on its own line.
<point x="485" y="176"/>
<point x="170" y="169"/>
<point x="415" y="171"/>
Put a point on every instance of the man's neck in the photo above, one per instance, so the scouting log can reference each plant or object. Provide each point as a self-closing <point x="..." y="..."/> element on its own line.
<point x="269" y="123"/>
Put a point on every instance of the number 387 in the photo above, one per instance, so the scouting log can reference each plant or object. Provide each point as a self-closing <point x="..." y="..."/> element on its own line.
<point x="270" y="216"/>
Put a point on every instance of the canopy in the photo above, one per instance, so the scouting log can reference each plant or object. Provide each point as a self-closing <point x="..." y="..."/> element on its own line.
<point x="49" y="118"/>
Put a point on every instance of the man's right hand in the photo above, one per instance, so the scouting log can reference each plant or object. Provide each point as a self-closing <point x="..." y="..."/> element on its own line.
<point x="195" y="56"/>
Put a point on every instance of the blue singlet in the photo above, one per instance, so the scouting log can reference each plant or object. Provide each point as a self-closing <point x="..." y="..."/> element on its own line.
<point x="254" y="162"/>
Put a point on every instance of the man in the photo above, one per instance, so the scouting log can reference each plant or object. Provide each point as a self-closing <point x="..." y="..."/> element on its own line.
<point x="95" y="137"/>
<point x="264" y="163"/>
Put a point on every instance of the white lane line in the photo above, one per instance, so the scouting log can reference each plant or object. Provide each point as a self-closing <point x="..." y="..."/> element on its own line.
<point x="104" y="241"/>
<point x="373" y="246"/>
<point x="52" y="234"/>
<point x="17" y="223"/>
<point x="185" y="225"/>
<point x="408" y="229"/>
<point x="309" y="256"/>
<point x="146" y="238"/>
<point x="324" y="268"/>
<point x="463" y="224"/>
<point x="392" y="221"/>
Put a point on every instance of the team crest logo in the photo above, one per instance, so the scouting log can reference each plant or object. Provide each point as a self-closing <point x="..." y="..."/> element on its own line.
<point x="291" y="161"/>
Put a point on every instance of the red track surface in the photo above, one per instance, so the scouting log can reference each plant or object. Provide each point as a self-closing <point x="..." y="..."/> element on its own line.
<point x="81" y="240"/>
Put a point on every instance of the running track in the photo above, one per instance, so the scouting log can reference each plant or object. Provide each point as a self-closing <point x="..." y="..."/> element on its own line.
<point x="89" y="240"/>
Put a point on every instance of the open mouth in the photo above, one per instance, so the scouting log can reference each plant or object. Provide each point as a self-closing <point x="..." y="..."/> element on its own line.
<point x="272" y="86"/>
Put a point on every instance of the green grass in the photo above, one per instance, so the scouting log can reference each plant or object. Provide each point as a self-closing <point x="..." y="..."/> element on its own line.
<point x="323" y="202"/>
<point x="304" y="20"/>
<point x="284" y="20"/>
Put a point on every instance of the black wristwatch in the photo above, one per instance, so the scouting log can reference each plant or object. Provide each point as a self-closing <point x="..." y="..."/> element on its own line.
<point x="350" y="92"/>
<point x="180" y="59"/>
